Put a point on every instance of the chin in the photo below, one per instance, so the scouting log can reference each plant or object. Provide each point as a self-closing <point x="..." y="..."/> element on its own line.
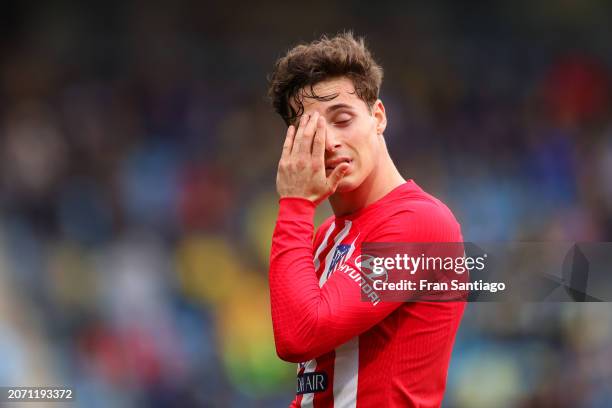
<point x="347" y="184"/>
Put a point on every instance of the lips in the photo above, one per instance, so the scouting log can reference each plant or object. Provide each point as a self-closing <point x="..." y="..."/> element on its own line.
<point x="333" y="163"/>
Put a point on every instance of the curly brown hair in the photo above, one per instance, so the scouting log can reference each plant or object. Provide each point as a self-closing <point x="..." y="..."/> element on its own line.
<point x="305" y="65"/>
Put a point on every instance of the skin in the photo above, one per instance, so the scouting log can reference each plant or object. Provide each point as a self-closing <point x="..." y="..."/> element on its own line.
<point x="337" y="151"/>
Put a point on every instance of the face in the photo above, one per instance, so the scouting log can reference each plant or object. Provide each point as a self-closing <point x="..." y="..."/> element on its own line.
<point x="354" y="131"/>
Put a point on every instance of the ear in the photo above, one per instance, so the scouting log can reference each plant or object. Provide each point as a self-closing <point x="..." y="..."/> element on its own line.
<point x="378" y="112"/>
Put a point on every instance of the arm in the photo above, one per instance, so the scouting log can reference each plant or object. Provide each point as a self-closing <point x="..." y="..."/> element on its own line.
<point x="302" y="184"/>
<point x="309" y="321"/>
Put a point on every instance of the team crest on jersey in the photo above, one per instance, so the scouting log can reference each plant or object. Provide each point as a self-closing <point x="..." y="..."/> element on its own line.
<point x="339" y="255"/>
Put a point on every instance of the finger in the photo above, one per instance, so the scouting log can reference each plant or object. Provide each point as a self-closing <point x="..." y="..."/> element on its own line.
<point x="288" y="145"/>
<point x="299" y="135"/>
<point x="334" y="178"/>
<point x="305" y="145"/>
<point x="318" y="143"/>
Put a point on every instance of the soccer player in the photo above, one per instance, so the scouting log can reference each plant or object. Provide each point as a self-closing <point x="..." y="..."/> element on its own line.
<point x="352" y="351"/>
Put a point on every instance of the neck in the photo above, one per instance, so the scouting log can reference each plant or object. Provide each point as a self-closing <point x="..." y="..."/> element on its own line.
<point x="382" y="180"/>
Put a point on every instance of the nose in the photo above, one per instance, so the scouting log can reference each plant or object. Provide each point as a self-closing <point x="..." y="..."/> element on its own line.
<point x="331" y="140"/>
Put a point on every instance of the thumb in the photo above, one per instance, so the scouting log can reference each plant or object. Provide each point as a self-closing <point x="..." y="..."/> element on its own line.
<point x="334" y="178"/>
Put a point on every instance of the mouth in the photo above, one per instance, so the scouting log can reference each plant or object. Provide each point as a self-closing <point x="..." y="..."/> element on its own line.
<point x="330" y="165"/>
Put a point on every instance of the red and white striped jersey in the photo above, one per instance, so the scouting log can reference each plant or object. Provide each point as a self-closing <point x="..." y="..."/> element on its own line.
<point x="354" y="350"/>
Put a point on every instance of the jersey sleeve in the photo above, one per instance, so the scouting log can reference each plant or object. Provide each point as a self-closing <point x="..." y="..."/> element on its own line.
<point x="309" y="321"/>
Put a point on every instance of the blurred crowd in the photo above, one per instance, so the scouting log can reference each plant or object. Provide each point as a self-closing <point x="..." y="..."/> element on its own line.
<point x="137" y="188"/>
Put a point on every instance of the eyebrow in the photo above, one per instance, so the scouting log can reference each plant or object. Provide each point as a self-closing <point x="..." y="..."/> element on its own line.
<point x="337" y="107"/>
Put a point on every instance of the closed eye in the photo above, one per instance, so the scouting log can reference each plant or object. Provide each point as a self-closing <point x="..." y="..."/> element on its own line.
<point x="342" y="120"/>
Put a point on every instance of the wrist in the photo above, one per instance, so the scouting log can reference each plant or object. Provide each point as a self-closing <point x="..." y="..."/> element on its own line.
<point x="296" y="207"/>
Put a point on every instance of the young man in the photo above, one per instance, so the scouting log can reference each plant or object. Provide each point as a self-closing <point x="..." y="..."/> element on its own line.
<point x="352" y="350"/>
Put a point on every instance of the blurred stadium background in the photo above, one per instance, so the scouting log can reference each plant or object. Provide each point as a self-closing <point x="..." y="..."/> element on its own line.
<point x="137" y="193"/>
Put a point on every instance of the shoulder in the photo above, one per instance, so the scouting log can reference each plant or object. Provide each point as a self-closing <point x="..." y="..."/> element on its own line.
<point x="414" y="215"/>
